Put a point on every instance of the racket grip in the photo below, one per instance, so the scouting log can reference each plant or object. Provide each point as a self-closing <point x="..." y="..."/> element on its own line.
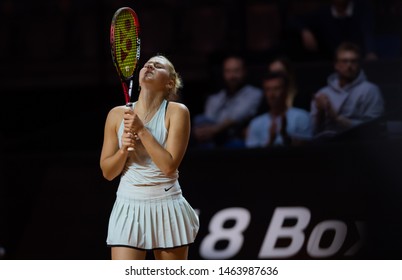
<point x="130" y="105"/>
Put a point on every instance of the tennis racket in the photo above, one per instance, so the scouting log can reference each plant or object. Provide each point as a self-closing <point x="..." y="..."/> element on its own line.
<point x="125" y="48"/>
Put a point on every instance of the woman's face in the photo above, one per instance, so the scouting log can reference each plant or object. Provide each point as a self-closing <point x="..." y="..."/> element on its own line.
<point x="155" y="71"/>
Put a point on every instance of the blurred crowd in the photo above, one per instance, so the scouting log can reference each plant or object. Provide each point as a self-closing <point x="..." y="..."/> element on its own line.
<point x="241" y="115"/>
<point x="249" y="106"/>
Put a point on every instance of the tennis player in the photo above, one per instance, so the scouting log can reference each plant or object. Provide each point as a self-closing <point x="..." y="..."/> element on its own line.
<point x="150" y="212"/>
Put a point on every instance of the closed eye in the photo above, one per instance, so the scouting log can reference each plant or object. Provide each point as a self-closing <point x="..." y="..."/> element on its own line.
<point x="155" y="64"/>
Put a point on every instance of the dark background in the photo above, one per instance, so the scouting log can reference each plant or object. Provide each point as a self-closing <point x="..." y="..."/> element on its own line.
<point x="57" y="83"/>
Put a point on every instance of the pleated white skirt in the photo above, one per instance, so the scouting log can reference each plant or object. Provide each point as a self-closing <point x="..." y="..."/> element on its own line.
<point x="152" y="218"/>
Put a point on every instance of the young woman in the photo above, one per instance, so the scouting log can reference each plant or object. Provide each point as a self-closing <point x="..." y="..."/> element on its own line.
<point x="150" y="212"/>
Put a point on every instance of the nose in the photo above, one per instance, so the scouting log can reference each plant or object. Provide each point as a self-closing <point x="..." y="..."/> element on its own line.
<point x="149" y="66"/>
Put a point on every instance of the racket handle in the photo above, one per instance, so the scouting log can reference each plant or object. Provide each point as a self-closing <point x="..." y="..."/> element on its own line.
<point x="130" y="105"/>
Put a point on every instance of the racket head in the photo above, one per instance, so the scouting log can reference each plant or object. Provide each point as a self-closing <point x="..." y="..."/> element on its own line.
<point x="125" y="45"/>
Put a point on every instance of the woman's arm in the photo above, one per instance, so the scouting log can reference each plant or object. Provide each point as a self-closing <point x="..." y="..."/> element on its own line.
<point x="178" y="125"/>
<point x="112" y="158"/>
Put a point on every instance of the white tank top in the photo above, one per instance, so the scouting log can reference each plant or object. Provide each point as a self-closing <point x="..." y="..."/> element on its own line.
<point x="140" y="170"/>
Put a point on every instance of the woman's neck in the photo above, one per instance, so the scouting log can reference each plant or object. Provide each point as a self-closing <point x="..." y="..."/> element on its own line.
<point x="148" y="103"/>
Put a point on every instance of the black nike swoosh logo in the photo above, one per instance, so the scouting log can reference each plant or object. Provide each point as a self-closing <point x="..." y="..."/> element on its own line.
<point x="167" y="189"/>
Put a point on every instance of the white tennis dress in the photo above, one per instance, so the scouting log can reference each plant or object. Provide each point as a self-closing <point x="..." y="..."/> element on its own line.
<point x="150" y="211"/>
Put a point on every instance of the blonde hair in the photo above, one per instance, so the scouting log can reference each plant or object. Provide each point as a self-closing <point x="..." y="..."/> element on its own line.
<point x="178" y="82"/>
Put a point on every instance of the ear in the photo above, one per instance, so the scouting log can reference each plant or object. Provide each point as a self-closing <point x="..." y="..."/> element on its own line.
<point x="170" y="84"/>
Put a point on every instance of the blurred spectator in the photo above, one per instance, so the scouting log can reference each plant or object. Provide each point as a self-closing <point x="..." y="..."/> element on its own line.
<point x="227" y="112"/>
<point x="284" y="65"/>
<point x="349" y="99"/>
<point x="282" y="125"/>
<point x="341" y="20"/>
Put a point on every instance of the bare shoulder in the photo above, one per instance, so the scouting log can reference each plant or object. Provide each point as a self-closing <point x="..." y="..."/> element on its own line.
<point x="118" y="110"/>
<point x="116" y="114"/>
<point x="177" y="111"/>
<point x="177" y="108"/>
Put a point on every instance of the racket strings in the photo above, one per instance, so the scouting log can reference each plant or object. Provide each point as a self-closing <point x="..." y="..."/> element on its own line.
<point x="126" y="43"/>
